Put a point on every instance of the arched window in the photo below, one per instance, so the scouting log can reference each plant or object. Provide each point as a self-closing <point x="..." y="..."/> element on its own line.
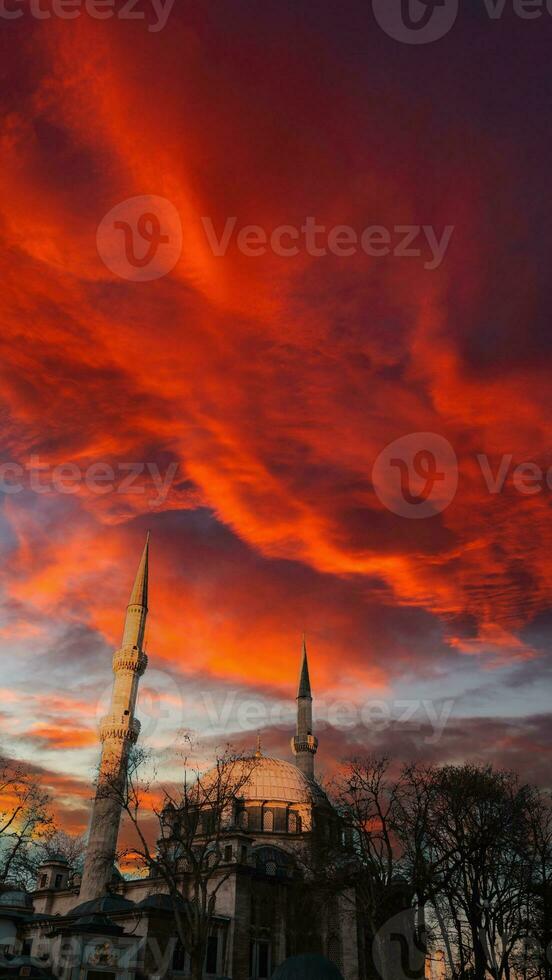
<point x="179" y="957"/>
<point x="268" y="820"/>
<point x="334" y="949"/>
<point x="292" y="823"/>
<point x="273" y="861"/>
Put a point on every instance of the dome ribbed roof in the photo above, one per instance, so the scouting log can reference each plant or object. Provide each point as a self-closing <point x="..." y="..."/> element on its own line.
<point x="273" y="779"/>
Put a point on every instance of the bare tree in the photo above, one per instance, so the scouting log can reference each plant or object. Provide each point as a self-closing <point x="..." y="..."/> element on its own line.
<point x="25" y="821"/>
<point x="535" y="961"/>
<point x="476" y="829"/>
<point x="71" y="847"/>
<point x="180" y="839"/>
<point x="454" y="855"/>
<point x="381" y="863"/>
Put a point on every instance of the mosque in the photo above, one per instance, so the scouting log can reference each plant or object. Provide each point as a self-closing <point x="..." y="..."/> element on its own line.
<point x="106" y="927"/>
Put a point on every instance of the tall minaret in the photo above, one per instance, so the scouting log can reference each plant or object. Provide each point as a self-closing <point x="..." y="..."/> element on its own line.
<point x="118" y="732"/>
<point x="304" y="743"/>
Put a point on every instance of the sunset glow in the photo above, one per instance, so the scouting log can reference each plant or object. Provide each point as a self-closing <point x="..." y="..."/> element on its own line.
<point x="240" y="402"/>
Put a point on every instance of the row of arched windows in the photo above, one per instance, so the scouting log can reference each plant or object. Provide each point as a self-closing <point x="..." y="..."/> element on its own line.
<point x="263" y="819"/>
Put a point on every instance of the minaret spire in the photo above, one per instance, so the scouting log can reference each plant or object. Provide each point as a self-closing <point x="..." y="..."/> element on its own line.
<point x="137" y="609"/>
<point x="118" y="732"/>
<point x="304" y="743"/>
<point x="304" y="690"/>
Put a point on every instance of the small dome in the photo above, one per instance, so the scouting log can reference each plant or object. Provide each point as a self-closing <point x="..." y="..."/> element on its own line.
<point x="56" y="858"/>
<point x="160" y="901"/>
<point x="308" y="966"/>
<point x="16" y="899"/>
<point x="106" y="905"/>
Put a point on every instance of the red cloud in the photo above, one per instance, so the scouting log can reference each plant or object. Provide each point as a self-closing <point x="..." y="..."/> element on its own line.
<point x="274" y="383"/>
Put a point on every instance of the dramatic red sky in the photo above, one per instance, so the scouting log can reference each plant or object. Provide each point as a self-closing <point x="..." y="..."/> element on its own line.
<point x="267" y="386"/>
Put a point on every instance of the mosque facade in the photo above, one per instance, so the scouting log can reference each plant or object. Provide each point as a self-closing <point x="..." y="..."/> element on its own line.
<point x="102" y="926"/>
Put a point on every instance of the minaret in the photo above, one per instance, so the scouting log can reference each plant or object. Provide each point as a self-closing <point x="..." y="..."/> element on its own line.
<point x="118" y="732"/>
<point x="304" y="743"/>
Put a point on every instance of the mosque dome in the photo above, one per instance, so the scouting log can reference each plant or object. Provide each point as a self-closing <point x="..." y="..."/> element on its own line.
<point x="273" y="779"/>
<point x="308" y="966"/>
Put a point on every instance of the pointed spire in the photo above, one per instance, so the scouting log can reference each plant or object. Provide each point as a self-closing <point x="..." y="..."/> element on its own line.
<point x="137" y="609"/>
<point x="139" y="594"/>
<point x="304" y="744"/>
<point x="304" y="690"/>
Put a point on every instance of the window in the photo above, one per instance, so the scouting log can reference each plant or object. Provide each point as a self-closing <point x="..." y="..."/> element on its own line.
<point x="263" y="960"/>
<point x="292" y="823"/>
<point x="244" y="820"/>
<point x="270" y="868"/>
<point x="211" y="961"/>
<point x="268" y="820"/>
<point x="179" y="957"/>
<point x="259" y="960"/>
<point x="334" y="953"/>
<point x="228" y="852"/>
<point x="244" y="853"/>
<point x="43" y="881"/>
<point x="58" y="881"/>
<point x="208" y="821"/>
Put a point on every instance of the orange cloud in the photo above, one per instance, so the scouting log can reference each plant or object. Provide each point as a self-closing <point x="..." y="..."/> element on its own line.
<point x="273" y="383"/>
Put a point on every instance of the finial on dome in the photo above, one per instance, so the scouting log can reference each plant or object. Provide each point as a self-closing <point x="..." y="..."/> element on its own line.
<point x="258" y="753"/>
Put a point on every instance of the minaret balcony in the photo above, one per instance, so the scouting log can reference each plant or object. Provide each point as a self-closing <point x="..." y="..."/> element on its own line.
<point x="131" y="659"/>
<point x="304" y="743"/>
<point x="121" y="727"/>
